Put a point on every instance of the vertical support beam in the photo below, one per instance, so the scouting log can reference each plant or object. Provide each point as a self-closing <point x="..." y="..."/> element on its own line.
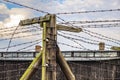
<point x="51" y="47"/>
<point x="44" y="52"/>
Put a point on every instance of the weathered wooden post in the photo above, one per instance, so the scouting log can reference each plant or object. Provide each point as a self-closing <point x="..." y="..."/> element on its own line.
<point x="50" y="46"/>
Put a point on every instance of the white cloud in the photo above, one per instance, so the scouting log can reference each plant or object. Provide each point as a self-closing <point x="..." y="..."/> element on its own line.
<point x="3" y="9"/>
<point x="11" y="17"/>
<point x="14" y="15"/>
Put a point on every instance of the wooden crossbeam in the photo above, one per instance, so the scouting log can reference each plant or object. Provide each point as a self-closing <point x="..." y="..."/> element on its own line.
<point x="39" y="20"/>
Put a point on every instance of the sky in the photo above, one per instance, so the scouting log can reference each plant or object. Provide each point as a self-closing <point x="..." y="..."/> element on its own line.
<point x="11" y="14"/>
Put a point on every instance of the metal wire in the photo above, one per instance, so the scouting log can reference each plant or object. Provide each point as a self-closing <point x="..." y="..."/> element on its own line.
<point x="28" y="46"/>
<point x="82" y="40"/>
<point x="101" y="35"/>
<point x="25" y="31"/>
<point x="11" y="38"/>
<point x="77" y="43"/>
<point x="21" y="44"/>
<point x="84" y="22"/>
<point x="79" y="36"/>
<point x="5" y="30"/>
<point x="21" y="36"/>
<point x="94" y="11"/>
<point x="115" y="25"/>
<point x="69" y="45"/>
<point x="25" y="6"/>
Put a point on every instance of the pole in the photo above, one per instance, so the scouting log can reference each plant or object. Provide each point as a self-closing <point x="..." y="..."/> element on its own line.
<point x="44" y="52"/>
<point x="51" y="47"/>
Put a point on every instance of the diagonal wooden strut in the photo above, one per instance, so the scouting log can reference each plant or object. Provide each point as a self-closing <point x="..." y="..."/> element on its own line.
<point x="64" y="66"/>
<point x="32" y="68"/>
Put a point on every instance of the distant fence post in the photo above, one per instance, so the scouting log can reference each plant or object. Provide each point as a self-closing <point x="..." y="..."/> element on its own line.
<point x="1" y="54"/>
<point x="118" y="53"/>
<point x="72" y="54"/>
<point x="34" y="54"/>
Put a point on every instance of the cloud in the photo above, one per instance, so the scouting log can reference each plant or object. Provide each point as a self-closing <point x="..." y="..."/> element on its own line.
<point x="3" y="9"/>
<point x="11" y="17"/>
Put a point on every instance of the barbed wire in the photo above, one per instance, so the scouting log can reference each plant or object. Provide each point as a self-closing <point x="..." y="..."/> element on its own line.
<point x="115" y="25"/>
<point x="82" y="40"/>
<point x="69" y="45"/>
<point x="21" y="36"/>
<point x="103" y="25"/>
<point x="94" y="11"/>
<point x="79" y="36"/>
<point x="84" y="22"/>
<point x="112" y="39"/>
<point x="28" y="46"/>
<point x="31" y="49"/>
<point x="104" y="37"/>
<point x="5" y="28"/>
<point x="21" y="44"/>
<point x="11" y="38"/>
<point x="77" y="43"/>
<point x="96" y="34"/>
<point x="101" y="38"/>
<point x="88" y="38"/>
<point x="101" y="35"/>
<point x="58" y="16"/>
<point x="20" y="32"/>
<point x="93" y="32"/>
<point x="84" y="48"/>
<point x="19" y="29"/>
<point x="25" y="6"/>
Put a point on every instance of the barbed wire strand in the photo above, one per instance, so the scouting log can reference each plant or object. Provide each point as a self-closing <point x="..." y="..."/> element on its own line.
<point x="94" y="11"/>
<point x="20" y="32"/>
<point x="88" y="38"/>
<point x="21" y="36"/>
<point x="29" y="46"/>
<point x="20" y="28"/>
<point x="77" y="43"/>
<point x="21" y="44"/>
<point x="69" y="45"/>
<point x="11" y="38"/>
<point x="84" y="22"/>
<point x="82" y="40"/>
<point x="25" y="6"/>
<point x="116" y="25"/>
<point x="101" y="35"/>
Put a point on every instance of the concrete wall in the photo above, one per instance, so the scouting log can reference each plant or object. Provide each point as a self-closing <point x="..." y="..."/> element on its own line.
<point x="90" y="70"/>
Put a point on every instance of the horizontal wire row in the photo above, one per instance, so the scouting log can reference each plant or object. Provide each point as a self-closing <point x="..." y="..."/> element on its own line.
<point x="94" y="11"/>
<point x="84" y="22"/>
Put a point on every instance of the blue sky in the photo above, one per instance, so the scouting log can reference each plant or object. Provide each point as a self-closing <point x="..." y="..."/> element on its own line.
<point x="11" y="14"/>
